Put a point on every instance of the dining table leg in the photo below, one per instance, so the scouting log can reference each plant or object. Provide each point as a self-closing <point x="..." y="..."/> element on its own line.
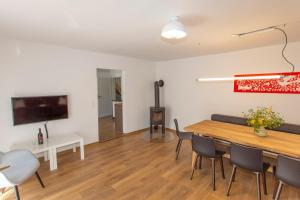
<point x="194" y="159"/>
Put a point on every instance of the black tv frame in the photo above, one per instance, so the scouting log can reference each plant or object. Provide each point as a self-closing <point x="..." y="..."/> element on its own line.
<point x="36" y="121"/>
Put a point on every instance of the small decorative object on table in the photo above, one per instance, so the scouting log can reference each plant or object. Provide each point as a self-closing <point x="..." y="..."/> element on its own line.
<point x="40" y="137"/>
<point x="263" y="118"/>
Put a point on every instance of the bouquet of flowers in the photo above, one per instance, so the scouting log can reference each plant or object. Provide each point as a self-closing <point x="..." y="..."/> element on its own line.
<point x="262" y="118"/>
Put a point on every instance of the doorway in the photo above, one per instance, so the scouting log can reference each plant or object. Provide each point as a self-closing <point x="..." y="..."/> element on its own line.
<point x="110" y="104"/>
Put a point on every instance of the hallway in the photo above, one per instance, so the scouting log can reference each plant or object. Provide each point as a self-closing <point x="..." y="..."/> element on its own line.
<point x="107" y="129"/>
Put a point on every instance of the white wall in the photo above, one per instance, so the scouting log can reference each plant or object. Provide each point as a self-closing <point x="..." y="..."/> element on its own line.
<point x="28" y="69"/>
<point x="190" y="101"/>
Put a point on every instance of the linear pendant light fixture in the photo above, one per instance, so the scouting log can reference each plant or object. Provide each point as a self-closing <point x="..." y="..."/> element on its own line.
<point x="239" y="78"/>
<point x="271" y="28"/>
<point x="174" y="29"/>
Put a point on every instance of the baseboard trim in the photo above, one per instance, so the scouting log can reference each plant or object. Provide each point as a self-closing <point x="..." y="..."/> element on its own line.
<point x="146" y="129"/>
<point x="136" y="132"/>
<point x="171" y="130"/>
<point x="131" y="133"/>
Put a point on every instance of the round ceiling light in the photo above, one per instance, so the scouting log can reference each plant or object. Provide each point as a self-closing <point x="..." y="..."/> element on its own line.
<point x="174" y="29"/>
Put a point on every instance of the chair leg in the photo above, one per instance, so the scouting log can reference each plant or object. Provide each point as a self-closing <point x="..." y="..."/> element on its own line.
<point x="279" y="190"/>
<point x="274" y="170"/>
<point x="213" y="174"/>
<point x="39" y="179"/>
<point x="180" y="141"/>
<point x="200" y="162"/>
<point x="195" y="165"/>
<point x="231" y="179"/>
<point x="258" y="185"/>
<point x="177" y="145"/>
<point x="17" y="192"/>
<point x="222" y="167"/>
<point x="264" y="183"/>
<point x="275" y="188"/>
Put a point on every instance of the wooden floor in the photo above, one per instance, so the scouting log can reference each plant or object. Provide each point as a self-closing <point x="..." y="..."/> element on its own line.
<point x="107" y="129"/>
<point x="131" y="168"/>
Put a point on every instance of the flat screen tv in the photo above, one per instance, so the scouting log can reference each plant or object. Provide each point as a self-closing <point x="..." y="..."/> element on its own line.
<point x="37" y="109"/>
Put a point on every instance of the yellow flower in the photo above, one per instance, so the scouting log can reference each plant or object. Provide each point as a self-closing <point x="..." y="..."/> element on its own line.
<point x="252" y="122"/>
<point x="260" y="121"/>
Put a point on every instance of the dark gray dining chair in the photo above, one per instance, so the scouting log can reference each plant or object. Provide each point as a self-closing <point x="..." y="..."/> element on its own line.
<point x="205" y="146"/>
<point x="250" y="159"/>
<point x="181" y="136"/>
<point x="287" y="172"/>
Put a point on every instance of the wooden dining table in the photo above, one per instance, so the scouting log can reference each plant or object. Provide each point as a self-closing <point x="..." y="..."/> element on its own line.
<point x="275" y="142"/>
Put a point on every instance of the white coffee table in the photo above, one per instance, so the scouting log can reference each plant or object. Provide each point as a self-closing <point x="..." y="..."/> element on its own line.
<point x="50" y="146"/>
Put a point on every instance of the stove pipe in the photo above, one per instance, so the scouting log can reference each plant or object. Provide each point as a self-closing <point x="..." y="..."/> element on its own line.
<point x="157" y="84"/>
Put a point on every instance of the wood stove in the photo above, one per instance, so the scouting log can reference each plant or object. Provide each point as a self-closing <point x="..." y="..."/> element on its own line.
<point x="157" y="113"/>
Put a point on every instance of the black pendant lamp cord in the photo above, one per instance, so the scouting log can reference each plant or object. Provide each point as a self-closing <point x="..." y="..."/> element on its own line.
<point x="284" y="47"/>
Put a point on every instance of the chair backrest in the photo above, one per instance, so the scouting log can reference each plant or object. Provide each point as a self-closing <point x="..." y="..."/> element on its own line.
<point x="288" y="170"/>
<point x="246" y="157"/>
<point x="176" y="126"/>
<point x="203" y="145"/>
<point x="22" y="164"/>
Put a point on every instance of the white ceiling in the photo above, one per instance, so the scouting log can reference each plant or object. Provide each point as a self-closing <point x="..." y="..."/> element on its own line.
<point x="132" y="27"/>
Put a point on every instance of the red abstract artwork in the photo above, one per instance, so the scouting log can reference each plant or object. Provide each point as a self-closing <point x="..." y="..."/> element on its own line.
<point x="288" y="84"/>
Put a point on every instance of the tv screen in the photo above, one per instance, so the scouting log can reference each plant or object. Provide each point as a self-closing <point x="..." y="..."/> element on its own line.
<point x="37" y="109"/>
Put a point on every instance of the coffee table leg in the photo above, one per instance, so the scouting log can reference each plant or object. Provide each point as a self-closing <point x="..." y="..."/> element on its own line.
<point x="46" y="156"/>
<point x="81" y="150"/>
<point x="54" y="158"/>
<point x="74" y="148"/>
<point x="50" y="154"/>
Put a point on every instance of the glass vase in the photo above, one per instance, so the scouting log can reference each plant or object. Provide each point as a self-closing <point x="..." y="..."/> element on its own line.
<point x="260" y="131"/>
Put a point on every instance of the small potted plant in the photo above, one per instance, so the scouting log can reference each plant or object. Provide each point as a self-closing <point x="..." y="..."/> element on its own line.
<point x="263" y="118"/>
